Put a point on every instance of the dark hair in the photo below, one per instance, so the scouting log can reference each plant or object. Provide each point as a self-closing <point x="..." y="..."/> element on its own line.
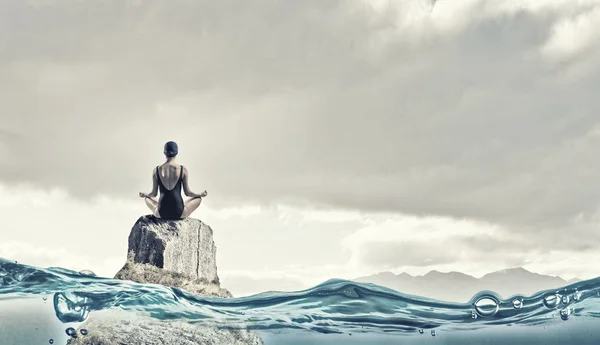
<point x="171" y="149"/>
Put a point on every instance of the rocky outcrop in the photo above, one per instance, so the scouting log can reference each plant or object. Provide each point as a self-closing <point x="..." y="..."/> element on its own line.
<point x="184" y="246"/>
<point x="146" y="273"/>
<point x="175" y="253"/>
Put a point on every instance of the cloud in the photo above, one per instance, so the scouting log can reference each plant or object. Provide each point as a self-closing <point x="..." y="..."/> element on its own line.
<point x="419" y="244"/>
<point x="285" y="248"/>
<point x="459" y="110"/>
<point x="51" y="228"/>
<point x="27" y="254"/>
<point x="573" y="36"/>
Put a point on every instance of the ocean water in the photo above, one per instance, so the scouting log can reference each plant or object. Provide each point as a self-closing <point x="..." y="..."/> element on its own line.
<point x="46" y="305"/>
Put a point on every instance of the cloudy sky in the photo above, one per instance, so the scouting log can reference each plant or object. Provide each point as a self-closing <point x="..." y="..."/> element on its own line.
<point x="336" y="138"/>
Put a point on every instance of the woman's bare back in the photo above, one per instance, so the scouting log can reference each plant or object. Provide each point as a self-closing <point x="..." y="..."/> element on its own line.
<point x="169" y="174"/>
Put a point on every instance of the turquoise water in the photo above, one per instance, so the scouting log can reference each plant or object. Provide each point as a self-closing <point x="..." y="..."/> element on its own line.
<point x="336" y="311"/>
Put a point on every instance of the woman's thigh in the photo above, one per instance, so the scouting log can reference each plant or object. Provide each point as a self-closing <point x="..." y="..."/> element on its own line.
<point x="190" y="206"/>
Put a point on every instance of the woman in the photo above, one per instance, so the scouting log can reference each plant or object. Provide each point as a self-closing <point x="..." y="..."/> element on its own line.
<point x="170" y="178"/>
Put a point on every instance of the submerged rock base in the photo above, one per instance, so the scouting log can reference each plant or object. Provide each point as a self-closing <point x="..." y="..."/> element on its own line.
<point x="116" y="329"/>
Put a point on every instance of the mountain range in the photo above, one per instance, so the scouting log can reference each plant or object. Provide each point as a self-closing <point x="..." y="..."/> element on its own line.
<point x="460" y="287"/>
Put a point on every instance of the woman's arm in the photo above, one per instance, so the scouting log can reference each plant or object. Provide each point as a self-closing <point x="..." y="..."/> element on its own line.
<point x="186" y="187"/>
<point x="154" y="191"/>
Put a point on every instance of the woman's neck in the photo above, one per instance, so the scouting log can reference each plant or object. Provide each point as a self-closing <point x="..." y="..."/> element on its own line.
<point x="170" y="160"/>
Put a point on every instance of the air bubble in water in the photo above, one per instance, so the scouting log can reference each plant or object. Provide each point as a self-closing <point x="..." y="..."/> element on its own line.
<point x="577" y="296"/>
<point x="71" y="332"/>
<point x="68" y="307"/>
<point x="565" y="313"/>
<point x="433" y="332"/>
<point x="473" y="314"/>
<point x="566" y="299"/>
<point x="421" y="331"/>
<point x="84" y="331"/>
<point x="517" y="303"/>
<point x="551" y="301"/>
<point x="486" y="306"/>
<point x="51" y="341"/>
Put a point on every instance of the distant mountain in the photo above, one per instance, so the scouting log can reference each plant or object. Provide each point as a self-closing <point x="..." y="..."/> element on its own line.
<point x="460" y="287"/>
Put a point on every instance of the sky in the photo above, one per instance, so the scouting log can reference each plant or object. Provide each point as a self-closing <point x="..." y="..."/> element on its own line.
<point x="335" y="138"/>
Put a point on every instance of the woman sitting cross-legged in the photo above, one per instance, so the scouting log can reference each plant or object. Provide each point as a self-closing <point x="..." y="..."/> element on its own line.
<point x="170" y="178"/>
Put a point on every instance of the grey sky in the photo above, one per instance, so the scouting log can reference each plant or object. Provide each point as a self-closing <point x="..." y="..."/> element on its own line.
<point x="480" y="110"/>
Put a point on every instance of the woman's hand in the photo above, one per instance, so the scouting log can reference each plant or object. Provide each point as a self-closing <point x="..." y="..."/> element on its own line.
<point x="203" y="194"/>
<point x="143" y="195"/>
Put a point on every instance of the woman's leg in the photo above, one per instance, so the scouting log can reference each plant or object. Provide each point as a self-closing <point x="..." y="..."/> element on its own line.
<point x="152" y="205"/>
<point x="190" y="205"/>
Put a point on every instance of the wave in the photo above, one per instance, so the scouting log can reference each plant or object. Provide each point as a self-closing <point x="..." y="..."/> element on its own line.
<point x="334" y="306"/>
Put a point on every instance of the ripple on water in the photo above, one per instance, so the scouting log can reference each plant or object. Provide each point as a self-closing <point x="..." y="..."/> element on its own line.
<point x="87" y="273"/>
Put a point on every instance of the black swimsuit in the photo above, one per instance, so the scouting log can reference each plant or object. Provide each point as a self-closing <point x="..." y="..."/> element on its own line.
<point x="170" y="204"/>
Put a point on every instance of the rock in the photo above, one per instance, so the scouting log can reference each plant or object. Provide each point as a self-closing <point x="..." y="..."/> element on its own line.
<point x="175" y="253"/>
<point x="185" y="246"/>
<point x="146" y="273"/>
<point x="115" y="328"/>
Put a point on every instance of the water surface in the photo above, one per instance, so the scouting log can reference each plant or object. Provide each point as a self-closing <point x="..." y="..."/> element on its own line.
<point x="42" y="304"/>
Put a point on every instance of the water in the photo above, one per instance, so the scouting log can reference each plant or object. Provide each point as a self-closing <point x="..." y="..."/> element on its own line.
<point x="336" y="311"/>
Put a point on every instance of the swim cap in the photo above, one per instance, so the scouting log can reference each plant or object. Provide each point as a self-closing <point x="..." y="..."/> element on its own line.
<point x="171" y="149"/>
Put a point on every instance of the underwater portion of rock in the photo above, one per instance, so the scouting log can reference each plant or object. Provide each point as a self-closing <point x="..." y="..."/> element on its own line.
<point x="116" y="329"/>
<point x="174" y="253"/>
